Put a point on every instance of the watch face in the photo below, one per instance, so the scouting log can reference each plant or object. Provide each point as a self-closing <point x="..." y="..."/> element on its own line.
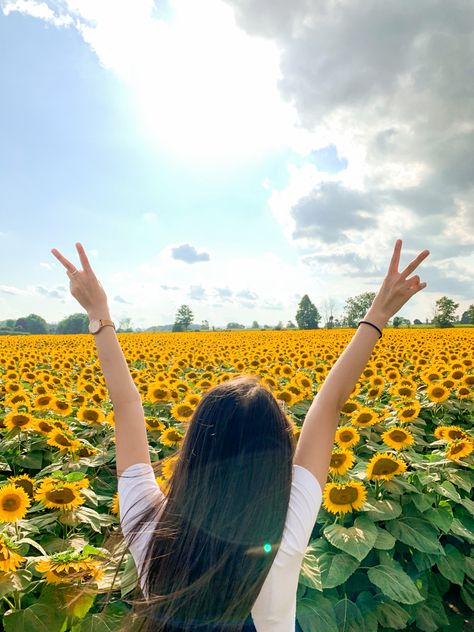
<point x="94" y="326"/>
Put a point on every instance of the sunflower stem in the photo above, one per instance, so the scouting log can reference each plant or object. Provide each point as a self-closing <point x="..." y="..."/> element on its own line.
<point x="17" y="597"/>
<point x="17" y="530"/>
<point x="376" y="490"/>
<point x="12" y="606"/>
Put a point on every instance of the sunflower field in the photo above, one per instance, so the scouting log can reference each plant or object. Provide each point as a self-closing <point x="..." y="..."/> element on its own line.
<point x="393" y="544"/>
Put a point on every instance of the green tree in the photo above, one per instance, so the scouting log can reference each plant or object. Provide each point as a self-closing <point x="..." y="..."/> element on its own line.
<point x="74" y="324"/>
<point x="307" y="315"/>
<point x="184" y="317"/>
<point x="33" y="323"/>
<point x="330" y="323"/>
<point x="290" y="325"/>
<point x="255" y="325"/>
<point x="444" y="314"/>
<point x="417" y="321"/>
<point x="235" y="326"/>
<point x="467" y="317"/>
<point x="357" y="307"/>
<point x="177" y="327"/>
<point x="205" y="325"/>
<point x="279" y="327"/>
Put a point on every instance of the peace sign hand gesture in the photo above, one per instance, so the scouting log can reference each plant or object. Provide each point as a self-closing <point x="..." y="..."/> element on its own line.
<point x="396" y="289"/>
<point x="84" y="285"/>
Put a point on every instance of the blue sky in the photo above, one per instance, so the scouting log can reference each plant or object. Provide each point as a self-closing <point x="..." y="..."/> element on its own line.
<point x="180" y="150"/>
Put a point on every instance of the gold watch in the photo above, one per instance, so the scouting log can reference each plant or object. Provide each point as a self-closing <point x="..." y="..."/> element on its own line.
<point x="95" y="325"/>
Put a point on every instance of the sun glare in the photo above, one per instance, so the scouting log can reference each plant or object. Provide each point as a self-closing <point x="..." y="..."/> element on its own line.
<point x="206" y="90"/>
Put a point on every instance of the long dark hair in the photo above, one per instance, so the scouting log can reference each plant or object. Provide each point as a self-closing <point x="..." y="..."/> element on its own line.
<point x="221" y="524"/>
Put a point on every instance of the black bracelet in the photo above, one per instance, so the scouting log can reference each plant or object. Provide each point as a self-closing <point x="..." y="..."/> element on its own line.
<point x="367" y="323"/>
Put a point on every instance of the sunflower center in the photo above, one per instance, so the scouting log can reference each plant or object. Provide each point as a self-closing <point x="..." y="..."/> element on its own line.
<point x="385" y="466"/>
<point x="457" y="448"/>
<point x="61" y="496"/>
<point x="344" y="496"/>
<point x="408" y="412"/>
<point x="45" y="426"/>
<point x="11" y="502"/>
<point x="438" y="392"/>
<point x="20" y="420"/>
<point x="404" y="391"/>
<point x="338" y="459"/>
<point x="43" y="401"/>
<point x="62" y="440"/>
<point x="364" y="418"/>
<point x="346" y="435"/>
<point x="62" y="405"/>
<point x="185" y="411"/>
<point x="397" y="435"/>
<point x="456" y="434"/>
<point x="91" y="415"/>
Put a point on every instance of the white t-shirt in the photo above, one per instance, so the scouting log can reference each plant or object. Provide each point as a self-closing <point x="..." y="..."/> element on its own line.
<point x="275" y="606"/>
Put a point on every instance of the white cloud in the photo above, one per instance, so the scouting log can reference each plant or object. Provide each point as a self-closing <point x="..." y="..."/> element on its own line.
<point x="203" y="87"/>
<point x="9" y="289"/>
<point x="37" y="10"/>
<point x="48" y="266"/>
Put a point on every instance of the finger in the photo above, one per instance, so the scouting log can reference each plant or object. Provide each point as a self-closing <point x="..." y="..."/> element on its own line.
<point x="70" y="267"/>
<point x="393" y="268"/>
<point x="83" y="257"/>
<point x="415" y="263"/>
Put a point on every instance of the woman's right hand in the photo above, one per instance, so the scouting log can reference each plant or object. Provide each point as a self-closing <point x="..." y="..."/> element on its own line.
<point x="396" y="289"/>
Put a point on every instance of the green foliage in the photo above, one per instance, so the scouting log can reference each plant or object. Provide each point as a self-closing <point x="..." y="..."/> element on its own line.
<point x="307" y="315"/>
<point x="184" y="317"/>
<point x="74" y="324"/>
<point x="356" y="308"/>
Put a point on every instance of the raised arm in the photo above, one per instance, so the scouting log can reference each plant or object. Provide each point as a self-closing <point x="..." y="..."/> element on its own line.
<point x="316" y="440"/>
<point x="131" y="440"/>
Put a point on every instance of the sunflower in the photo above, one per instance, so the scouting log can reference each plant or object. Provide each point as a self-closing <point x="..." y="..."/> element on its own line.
<point x="168" y="465"/>
<point x="437" y="393"/>
<point x="163" y="484"/>
<point x="24" y="481"/>
<point x="16" y="419"/>
<point x="78" y="568"/>
<point x="60" y="494"/>
<point x="153" y="424"/>
<point x="62" y="407"/>
<point x="347" y="437"/>
<point x="182" y="411"/>
<point x="384" y="466"/>
<point x="171" y="437"/>
<point x="14" y="503"/>
<point x="398" y="438"/>
<point x="344" y="497"/>
<point x="90" y="415"/>
<point x="341" y="461"/>
<point x="10" y="560"/>
<point x="459" y="448"/>
<point x="364" y="417"/>
<point x="84" y="450"/>
<point x="44" y="426"/>
<point x="286" y="396"/>
<point x="114" y="505"/>
<point x="409" y="411"/>
<point x="158" y="392"/>
<point x="43" y="402"/>
<point x="450" y="433"/>
<point x="63" y="441"/>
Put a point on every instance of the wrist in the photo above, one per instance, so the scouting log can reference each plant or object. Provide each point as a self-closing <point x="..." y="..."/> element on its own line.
<point x="100" y="312"/>
<point x="376" y="317"/>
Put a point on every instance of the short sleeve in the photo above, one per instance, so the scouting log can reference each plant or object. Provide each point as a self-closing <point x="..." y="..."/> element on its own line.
<point x="137" y="490"/>
<point x="305" y="503"/>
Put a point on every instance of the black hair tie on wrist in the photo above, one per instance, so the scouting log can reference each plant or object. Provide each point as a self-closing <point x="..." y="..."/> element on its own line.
<point x="367" y="323"/>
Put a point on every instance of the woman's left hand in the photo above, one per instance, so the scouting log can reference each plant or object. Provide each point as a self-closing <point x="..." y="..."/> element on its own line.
<point x="84" y="285"/>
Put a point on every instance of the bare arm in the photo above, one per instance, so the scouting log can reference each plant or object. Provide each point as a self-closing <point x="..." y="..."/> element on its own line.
<point x="130" y="430"/>
<point x="348" y="368"/>
<point x="316" y="440"/>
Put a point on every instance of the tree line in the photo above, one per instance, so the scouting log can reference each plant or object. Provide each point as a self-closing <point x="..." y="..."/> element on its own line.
<point x="307" y="317"/>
